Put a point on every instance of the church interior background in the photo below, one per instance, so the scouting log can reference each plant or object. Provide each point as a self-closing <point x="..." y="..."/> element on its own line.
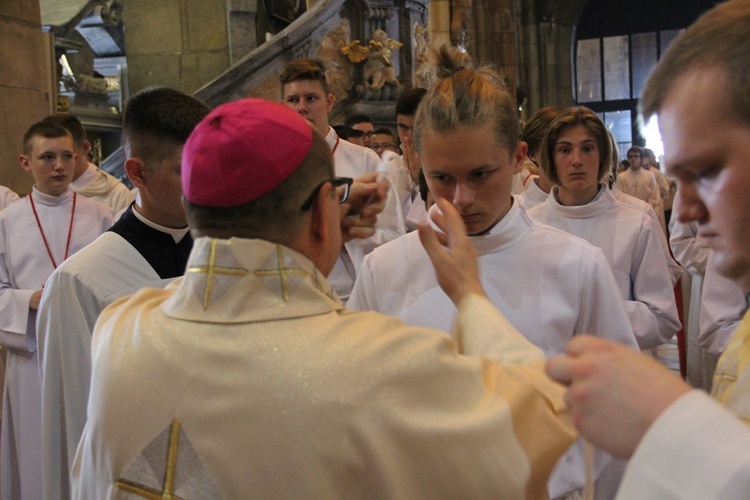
<point x="88" y="56"/>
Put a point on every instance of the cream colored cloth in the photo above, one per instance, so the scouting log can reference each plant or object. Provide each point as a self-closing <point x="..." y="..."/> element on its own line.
<point x="7" y="197"/>
<point x="642" y="184"/>
<point x="273" y="390"/>
<point x="100" y="186"/>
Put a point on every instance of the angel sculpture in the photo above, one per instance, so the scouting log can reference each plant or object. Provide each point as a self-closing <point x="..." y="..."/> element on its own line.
<point x="378" y="68"/>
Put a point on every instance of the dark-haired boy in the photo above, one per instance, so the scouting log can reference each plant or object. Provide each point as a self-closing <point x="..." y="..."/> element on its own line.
<point x="383" y="139"/>
<point x="37" y="233"/>
<point x="88" y="179"/>
<point x="363" y="123"/>
<point x="405" y="169"/>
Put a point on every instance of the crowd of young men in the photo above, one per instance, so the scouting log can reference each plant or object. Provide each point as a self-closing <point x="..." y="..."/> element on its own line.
<point x="250" y="374"/>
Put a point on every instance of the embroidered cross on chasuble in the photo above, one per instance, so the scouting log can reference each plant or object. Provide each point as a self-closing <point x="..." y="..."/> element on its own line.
<point x="279" y="274"/>
<point x="168" y="468"/>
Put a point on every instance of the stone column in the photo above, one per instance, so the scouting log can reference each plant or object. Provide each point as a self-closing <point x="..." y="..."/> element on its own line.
<point x="26" y="85"/>
<point x="546" y="51"/>
<point x="494" y="37"/>
<point x="439" y="25"/>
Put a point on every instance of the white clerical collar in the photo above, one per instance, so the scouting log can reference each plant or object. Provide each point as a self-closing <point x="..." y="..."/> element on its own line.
<point x="86" y="177"/>
<point x="176" y="234"/>
<point x="331" y="137"/>
<point x="601" y="202"/>
<point x="51" y="200"/>
<point x="505" y="233"/>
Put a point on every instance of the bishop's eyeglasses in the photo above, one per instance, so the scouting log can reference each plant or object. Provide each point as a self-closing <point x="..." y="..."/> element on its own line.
<point x="345" y="183"/>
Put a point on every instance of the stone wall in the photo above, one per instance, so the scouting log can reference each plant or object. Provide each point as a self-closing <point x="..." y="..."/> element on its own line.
<point x="182" y="44"/>
<point x="26" y="85"/>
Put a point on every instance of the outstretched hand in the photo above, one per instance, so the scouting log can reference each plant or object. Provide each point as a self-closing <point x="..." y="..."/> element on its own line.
<point x="360" y="213"/>
<point x="451" y="252"/>
<point x="614" y="392"/>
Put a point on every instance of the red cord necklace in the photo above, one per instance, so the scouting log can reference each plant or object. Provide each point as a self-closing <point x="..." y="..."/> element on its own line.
<point x="70" y="229"/>
<point x="333" y="151"/>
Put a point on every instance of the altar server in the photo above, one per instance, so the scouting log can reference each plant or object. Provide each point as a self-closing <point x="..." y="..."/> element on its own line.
<point x="549" y="284"/>
<point x="37" y="234"/>
<point x="680" y="443"/>
<point x="575" y="154"/>
<point x="88" y="179"/>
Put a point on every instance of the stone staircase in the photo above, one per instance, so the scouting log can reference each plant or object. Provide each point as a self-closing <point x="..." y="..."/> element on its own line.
<point x="320" y="32"/>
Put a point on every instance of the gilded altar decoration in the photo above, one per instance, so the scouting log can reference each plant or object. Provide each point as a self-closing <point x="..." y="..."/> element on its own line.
<point x="378" y="69"/>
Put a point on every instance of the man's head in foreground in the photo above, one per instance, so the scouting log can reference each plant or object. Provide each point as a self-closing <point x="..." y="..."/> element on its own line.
<point x="257" y="169"/>
<point x="156" y="124"/>
<point x="700" y="91"/>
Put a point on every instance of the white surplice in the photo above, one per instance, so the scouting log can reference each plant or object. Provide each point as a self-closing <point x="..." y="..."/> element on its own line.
<point x="412" y="205"/>
<point x="692" y="251"/>
<point x="533" y="195"/>
<point x="629" y="239"/>
<point x="549" y="284"/>
<point x="675" y="270"/>
<point x="24" y="267"/>
<point x="74" y="296"/>
<point x="642" y="184"/>
<point x="271" y="389"/>
<point x="694" y="451"/>
<point x="98" y="185"/>
<point x="7" y="197"/>
<point x="351" y="160"/>
<point x="723" y="305"/>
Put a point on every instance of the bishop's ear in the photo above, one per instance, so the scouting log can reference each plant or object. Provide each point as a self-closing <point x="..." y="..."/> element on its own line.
<point x="323" y="211"/>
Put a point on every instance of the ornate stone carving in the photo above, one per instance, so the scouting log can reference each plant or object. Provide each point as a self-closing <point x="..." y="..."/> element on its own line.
<point x="378" y="69"/>
<point x="339" y="73"/>
<point x="421" y="54"/>
<point x="305" y="50"/>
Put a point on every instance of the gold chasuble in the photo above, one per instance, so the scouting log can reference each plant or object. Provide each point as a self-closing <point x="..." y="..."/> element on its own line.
<point x="732" y="377"/>
<point x="248" y="378"/>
